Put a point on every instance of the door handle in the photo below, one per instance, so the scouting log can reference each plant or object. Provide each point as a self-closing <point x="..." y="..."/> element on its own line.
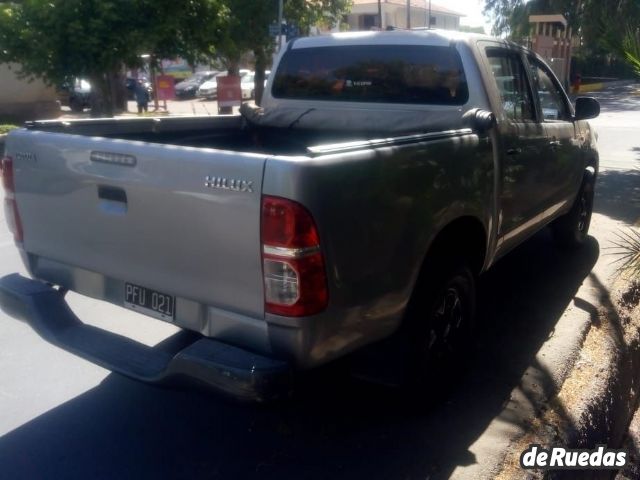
<point x="113" y="200"/>
<point x="514" y="151"/>
<point x="113" y="194"/>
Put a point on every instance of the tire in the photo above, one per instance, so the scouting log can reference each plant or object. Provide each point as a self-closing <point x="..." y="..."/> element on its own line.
<point x="570" y="231"/>
<point x="440" y="320"/>
<point x="75" y="104"/>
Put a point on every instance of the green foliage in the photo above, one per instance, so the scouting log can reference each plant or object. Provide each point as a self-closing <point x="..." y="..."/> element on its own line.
<point x="600" y="24"/>
<point x="57" y="40"/>
<point x="511" y="17"/>
<point x="590" y="18"/>
<point x="247" y="25"/>
<point x="627" y="249"/>
<point x="247" y="28"/>
<point x="6" y="128"/>
<point x="188" y="29"/>
<point x="631" y="48"/>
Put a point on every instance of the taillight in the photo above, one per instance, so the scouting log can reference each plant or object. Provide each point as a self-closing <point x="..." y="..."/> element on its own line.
<point x="295" y="282"/>
<point x="10" y="206"/>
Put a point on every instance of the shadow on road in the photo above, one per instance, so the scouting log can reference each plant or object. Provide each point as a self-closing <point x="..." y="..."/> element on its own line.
<point x="618" y="194"/>
<point x="334" y="427"/>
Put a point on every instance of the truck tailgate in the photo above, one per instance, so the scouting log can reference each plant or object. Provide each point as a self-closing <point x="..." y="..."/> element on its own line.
<point x="179" y="220"/>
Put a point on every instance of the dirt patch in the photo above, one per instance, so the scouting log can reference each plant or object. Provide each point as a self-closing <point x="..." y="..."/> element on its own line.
<point x="631" y="297"/>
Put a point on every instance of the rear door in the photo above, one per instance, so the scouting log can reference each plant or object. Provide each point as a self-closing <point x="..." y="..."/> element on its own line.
<point x="178" y="220"/>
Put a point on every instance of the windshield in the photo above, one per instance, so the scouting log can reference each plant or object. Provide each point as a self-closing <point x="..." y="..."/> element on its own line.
<point x="373" y="73"/>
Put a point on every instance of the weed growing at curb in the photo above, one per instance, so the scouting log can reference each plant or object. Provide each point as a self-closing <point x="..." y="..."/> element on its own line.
<point x="6" y="128"/>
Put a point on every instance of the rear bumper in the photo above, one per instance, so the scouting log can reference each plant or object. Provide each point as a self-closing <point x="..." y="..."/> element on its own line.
<point x="233" y="371"/>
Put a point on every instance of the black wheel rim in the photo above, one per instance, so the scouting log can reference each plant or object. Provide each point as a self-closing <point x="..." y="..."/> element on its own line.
<point x="584" y="212"/>
<point x="448" y="324"/>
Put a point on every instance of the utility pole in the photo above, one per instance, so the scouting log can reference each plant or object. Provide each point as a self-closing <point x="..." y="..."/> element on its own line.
<point x="380" y="14"/>
<point x="408" y="14"/>
<point x="280" y="8"/>
<point x="429" y="22"/>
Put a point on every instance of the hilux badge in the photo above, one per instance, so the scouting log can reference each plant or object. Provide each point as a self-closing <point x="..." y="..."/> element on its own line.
<point x="25" y="156"/>
<point x="234" y="184"/>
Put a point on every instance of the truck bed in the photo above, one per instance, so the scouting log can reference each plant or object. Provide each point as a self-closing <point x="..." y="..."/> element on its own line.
<point x="221" y="132"/>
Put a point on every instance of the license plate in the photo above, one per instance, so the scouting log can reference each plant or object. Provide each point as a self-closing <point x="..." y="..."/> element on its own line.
<point x="150" y="302"/>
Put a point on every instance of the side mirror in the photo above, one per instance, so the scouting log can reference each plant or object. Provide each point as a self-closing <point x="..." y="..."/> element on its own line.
<point x="479" y="120"/>
<point x="586" y="107"/>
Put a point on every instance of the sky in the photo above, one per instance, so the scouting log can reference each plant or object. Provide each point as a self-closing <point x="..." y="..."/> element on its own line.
<point x="471" y="8"/>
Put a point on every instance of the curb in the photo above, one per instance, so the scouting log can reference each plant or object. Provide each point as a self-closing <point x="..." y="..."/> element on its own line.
<point x="595" y="87"/>
<point x="599" y="397"/>
<point x="579" y="389"/>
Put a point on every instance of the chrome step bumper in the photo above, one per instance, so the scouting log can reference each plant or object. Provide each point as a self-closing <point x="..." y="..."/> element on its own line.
<point x="233" y="371"/>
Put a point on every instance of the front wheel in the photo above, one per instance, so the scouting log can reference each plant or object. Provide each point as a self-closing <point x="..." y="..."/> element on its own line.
<point x="570" y="230"/>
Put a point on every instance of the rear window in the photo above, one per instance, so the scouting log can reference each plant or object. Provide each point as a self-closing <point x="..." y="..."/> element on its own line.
<point x="373" y="73"/>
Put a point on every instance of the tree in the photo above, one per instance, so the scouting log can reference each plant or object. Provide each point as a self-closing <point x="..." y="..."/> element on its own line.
<point x="511" y="17"/>
<point x="600" y="25"/>
<point x="58" y="40"/>
<point x="590" y="18"/>
<point x="248" y="23"/>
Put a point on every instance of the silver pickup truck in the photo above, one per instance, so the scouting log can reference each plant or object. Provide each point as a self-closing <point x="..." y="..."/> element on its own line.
<point x="384" y="172"/>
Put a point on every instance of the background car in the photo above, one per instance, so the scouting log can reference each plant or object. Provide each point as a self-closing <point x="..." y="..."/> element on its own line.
<point x="76" y="93"/>
<point x="247" y="84"/>
<point x="209" y="89"/>
<point x="189" y="87"/>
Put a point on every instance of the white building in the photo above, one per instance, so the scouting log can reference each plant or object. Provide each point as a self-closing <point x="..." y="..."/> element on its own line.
<point x="364" y="15"/>
<point x="23" y="99"/>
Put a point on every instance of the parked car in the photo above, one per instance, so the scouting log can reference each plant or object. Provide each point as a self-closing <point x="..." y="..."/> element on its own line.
<point x="383" y="174"/>
<point x="76" y="94"/>
<point x="189" y="88"/>
<point x="247" y="84"/>
<point x="209" y="89"/>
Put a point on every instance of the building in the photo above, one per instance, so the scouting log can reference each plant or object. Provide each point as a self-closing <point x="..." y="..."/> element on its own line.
<point x="23" y="99"/>
<point x="364" y="15"/>
<point x="551" y="39"/>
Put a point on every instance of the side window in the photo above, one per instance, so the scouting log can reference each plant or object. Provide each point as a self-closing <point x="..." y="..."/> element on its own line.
<point x="551" y="99"/>
<point x="511" y="80"/>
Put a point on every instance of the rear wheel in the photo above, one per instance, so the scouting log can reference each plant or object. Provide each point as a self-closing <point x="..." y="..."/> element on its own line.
<point x="75" y="104"/>
<point x="570" y="231"/>
<point x="440" y="321"/>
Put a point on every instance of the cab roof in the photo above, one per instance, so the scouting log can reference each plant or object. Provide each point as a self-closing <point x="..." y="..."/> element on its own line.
<point x="431" y="37"/>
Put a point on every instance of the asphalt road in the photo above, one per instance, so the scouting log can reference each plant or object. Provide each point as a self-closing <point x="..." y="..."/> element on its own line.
<point x="61" y="417"/>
